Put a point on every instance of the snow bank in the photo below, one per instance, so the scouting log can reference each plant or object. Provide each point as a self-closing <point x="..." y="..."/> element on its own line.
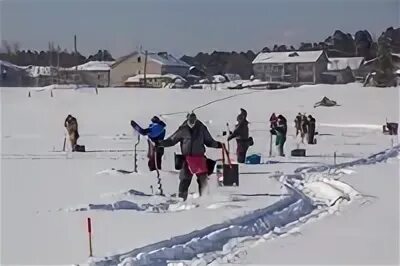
<point x="373" y="159"/>
<point x="138" y="201"/>
<point x="370" y="126"/>
<point x="305" y="195"/>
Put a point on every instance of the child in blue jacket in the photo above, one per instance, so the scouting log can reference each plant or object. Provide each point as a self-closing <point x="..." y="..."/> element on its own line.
<point x="155" y="132"/>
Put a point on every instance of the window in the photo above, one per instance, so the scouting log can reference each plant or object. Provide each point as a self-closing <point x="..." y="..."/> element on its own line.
<point x="139" y="59"/>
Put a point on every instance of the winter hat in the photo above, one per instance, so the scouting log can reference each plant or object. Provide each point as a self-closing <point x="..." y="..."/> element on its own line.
<point x="243" y="112"/>
<point x="155" y="119"/>
<point x="191" y="119"/>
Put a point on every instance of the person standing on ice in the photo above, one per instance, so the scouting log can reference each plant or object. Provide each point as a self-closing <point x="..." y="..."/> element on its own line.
<point x="280" y="131"/>
<point x="297" y="123"/>
<point x="71" y="124"/>
<point x="311" y="129"/>
<point x="273" y="120"/>
<point x="155" y="132"/>
<point x="303" y="127"/>
<point x="193" y="136"/>
<point x="241" y="134"/>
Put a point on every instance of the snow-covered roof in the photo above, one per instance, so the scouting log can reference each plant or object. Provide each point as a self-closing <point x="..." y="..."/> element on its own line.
<point x="374" y="59"/>
<point x="94" y="66"/>
<point x="9" y="65"/>
<point x="166" y="59"/>
<point x="288" y="57"/>
<point x="340" y="63"/>
<point x="161" y="58"/>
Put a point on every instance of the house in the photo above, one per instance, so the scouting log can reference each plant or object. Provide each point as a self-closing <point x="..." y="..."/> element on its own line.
<point x="299" y="67"/>
<point x="12" y="75"/>
<point x="94" y="73"/>
<point x="342" y="70"/>
<point x="372" y="65"/>
<point x="157" y="63"/>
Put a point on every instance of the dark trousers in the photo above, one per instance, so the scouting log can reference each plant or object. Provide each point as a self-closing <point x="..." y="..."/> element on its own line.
<point x="185" y="177"/>
<point x="242" y="147"/>
<point x="310" y="136"/>
<point x="155" y="156"/>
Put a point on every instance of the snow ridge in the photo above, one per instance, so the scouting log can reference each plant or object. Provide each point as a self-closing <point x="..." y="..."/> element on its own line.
<point x="214" y="237"/>
<point x="373" y="159"/>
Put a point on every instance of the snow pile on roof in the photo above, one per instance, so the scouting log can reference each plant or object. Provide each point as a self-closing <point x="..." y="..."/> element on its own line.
<point x="340" y="63"/>
<point x="288" y="57"/>
<point x="94" y="66"/>
<point x="233" y="77"/>
<point x="37" y="71"/>
<point x="139" y="77"/>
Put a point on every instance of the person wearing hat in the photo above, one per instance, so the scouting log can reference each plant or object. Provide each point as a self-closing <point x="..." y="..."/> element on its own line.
<point x="71" y="124"/>
<point x="155" y="132"/>
<point x="311" y="129"/>
<point x="241" y="134"/>
<point x="193" y="137"/>
<point x="280" y="131"/>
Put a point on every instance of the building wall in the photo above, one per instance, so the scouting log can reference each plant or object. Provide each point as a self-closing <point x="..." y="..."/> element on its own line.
<point x="305" y="73"/>
<point x="320" y="67"/>
<point x="131" y="67"/>
<point x="258" y="70"/>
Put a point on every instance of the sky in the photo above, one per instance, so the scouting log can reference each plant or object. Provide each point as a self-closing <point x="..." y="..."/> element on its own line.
<point x="187" y="26"/>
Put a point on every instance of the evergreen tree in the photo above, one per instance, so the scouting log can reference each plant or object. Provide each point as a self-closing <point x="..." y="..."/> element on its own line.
<point x="384" y="76"/>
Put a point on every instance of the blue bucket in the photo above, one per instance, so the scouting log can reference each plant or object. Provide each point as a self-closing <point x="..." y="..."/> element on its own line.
<point x="253" y="159"/>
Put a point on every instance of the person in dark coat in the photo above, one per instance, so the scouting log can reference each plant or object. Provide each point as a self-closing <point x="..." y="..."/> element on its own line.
<point x="311" y="129"/>
<point x="193" y="136"/>
<point x="303" y="127"/>
<point x="273" y="120"/>
<point x="297" y="123"/>
<point x="241" y="134"/>
<point x="280" y="131"/>
<point x="156" y="132"/>
<point x="71" y="124"/>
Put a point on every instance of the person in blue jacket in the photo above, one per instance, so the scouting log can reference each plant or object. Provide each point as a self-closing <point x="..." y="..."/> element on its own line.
<point x="155" y="132"/>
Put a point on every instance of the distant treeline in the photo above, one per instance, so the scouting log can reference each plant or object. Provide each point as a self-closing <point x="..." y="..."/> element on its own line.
<point x="340" y="44"/>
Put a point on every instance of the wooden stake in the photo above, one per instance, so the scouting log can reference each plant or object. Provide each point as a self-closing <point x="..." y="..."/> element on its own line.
<point x="89" y="227"/>
<point x="270" y="145"/>
<point x="65" y="140"/>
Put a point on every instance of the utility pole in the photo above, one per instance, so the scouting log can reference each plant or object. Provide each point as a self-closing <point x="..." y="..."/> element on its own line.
<point x="50" y="63"/>
<point x="76" y="59"/>
<point x="145" y="69"/>
<point x="58" y="63"/>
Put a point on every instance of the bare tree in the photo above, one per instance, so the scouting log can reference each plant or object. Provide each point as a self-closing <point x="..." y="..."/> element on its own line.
<point x="7" y="46"/>
<point x="16" y="47"/>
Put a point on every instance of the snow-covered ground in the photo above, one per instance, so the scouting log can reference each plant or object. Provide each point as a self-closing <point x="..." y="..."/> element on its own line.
<point x="47" y="194"/>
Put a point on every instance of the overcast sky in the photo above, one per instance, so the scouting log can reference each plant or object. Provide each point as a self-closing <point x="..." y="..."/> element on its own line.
<point x="187" y="26"/>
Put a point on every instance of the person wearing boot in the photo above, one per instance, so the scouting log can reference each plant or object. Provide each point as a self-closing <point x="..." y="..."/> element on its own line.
<point x="280" y="131"/>
<point x="241" y="134"/>
<point x="155" y="132"/>
<point x="311" y="129"/>
<point x="71" y="124"/>
<point x="193" y="137"/>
